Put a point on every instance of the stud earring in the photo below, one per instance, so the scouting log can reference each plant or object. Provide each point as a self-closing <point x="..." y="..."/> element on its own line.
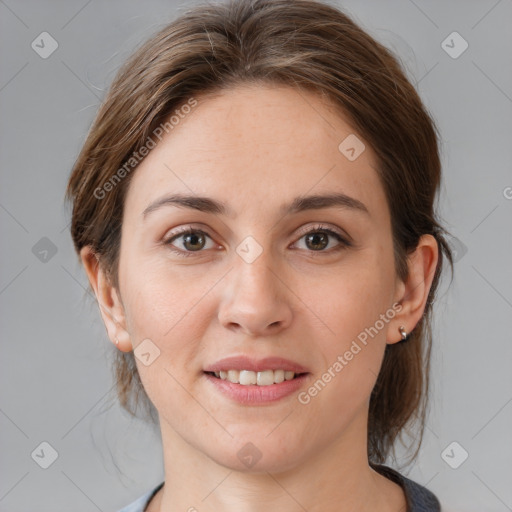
<point x="402" y="332"/>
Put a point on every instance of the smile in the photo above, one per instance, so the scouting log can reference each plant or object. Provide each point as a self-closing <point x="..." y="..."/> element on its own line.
<point x="248" y="377"/>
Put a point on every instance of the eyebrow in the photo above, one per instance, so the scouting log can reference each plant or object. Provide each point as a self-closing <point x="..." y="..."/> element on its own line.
<point x="299" y="204"/>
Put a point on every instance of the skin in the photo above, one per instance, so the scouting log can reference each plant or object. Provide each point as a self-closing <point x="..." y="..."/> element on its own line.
<point x="255" y="148"/>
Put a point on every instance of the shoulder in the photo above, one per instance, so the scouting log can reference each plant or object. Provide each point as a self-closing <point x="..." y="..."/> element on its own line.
<point x="419" y="498"/>
<point x="140" y="504"/>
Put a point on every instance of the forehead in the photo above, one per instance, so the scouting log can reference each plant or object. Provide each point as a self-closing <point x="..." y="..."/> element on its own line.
<point x="255" y="147"/>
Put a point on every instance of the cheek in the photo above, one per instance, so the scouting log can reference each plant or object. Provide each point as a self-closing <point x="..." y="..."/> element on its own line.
<point x="348" y="300"/>
<point x="169" y="313"/>
<point x="160" y="295"/>
<point x="167" y="310"/>
<point x="351" y="358"/>
<point x="354" y="310"/>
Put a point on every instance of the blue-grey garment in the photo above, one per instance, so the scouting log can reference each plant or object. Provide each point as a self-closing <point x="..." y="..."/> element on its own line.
<point x="140" y="504"/>
<point x="419" y="499"/>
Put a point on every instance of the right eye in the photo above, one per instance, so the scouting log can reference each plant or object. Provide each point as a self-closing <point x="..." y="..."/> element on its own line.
<point x="193" y="240"/>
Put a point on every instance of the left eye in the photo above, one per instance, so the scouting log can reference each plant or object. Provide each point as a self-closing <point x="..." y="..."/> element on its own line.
<point x="318" y="239"/>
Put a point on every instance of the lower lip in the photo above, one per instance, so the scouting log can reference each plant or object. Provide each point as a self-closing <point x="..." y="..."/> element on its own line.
<point x="253" y="394"/>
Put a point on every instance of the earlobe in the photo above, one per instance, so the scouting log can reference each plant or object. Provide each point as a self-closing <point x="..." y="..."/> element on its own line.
<point x="401" y="334"/>
<point x="422" y="264"/>
<point x="109" y="303"/>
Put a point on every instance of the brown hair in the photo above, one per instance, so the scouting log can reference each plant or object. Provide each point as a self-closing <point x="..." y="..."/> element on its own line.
<point x="299" y="43"/>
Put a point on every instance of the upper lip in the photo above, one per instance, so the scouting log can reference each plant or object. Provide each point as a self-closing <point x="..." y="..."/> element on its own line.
<point x="255" y="365"/>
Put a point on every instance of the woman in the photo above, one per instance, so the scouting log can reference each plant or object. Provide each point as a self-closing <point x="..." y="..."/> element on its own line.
<point x="253" y="207"/>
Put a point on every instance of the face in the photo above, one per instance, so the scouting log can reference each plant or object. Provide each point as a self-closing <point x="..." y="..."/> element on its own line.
<point x="260" y="279"/>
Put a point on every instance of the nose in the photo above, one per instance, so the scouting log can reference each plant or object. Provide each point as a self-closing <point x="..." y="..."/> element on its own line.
<point x="256" y="299"/>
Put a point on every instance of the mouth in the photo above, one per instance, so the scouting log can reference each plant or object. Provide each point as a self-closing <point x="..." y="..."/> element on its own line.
<point x="251" y="381"/>
<point x="250" y="388"/>
<point x="252" y="378"/>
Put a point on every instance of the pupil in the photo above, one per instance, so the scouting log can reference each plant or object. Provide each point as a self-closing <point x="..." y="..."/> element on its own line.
<point x="314" y="238"/>
<point x="193" y="236"/>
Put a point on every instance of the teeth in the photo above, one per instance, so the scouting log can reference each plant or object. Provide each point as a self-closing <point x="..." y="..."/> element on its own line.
<point x="265" y="378"/>
<point x="247" y="377"/>
<point x="279" y="376"/>
<point x="233" y="376"/>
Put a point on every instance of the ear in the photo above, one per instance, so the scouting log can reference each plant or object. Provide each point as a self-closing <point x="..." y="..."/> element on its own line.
<point x="413" y="293"/>
<point x="109" y="302"/>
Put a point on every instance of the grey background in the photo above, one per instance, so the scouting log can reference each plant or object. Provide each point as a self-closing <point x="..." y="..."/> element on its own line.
<point x="55" y="377"/>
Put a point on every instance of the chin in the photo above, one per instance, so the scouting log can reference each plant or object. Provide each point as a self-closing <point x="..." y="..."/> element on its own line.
<point x="258" y="454"/>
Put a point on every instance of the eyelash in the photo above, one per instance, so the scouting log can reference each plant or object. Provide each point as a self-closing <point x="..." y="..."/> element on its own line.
<point x="319" y="228"/>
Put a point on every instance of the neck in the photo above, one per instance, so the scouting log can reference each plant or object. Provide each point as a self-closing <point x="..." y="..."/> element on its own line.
<point x="335" y="478"/>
